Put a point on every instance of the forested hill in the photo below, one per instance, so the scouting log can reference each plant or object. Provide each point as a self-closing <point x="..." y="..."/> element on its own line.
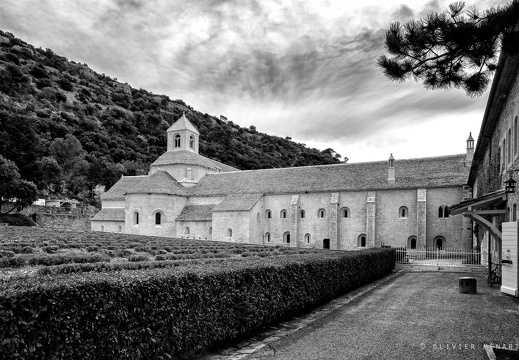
<point x="68" y="128"/>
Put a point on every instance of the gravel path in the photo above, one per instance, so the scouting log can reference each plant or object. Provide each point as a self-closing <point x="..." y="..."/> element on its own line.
<point x="411" y="316"/>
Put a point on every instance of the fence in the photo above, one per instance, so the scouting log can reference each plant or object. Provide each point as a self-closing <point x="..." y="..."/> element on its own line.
<point x="438" y="257"/>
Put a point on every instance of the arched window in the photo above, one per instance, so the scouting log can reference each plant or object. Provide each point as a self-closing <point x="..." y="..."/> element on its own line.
<point x="361" y="242"/>
<point x="403" y="213"/>
<point x="102" y="228"/>
<point x="229" y="232"/>
<point x="177" y="140"/>
<point x="411" y="242"/>
<point x="443" y="211"/>
<point x="267" y="237"/>
<point x="508" y="214"/>
<point x="321" y="213"/>
<point x="258" y="217"/>
<point x="120" y="228"/>
<point x="302" y="214"/>
<point x="307" y="238"/>
<point x="210" y="230"/>
<point x="283" y="214"/>
<point x="268" y="214"/>
<point x="192" y="142"/>
<point x="440" y="243"/>
<point x="135" y="218"/>
<point x="345" y="212"/>
<point x="514" y="212"/>
<point x="186" y="231"/>
<point x="158" y="218"/>
<point x="286" y="237"/>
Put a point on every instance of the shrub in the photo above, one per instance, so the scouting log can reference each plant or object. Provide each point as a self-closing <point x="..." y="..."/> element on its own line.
<point x="171" y="312"/>
<point x="123" y="253"/>
<point x="6" y="254"/>
<point x="51" y="249"/>
<point x="135" y="258"/>
<point x="16" y="261"/>
<point x="43" y="83"/>
<point x="65" y="84"/>
<point x="27" y="250"/>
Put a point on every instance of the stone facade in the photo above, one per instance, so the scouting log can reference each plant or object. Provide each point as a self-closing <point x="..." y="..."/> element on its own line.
<point x="344" y="207"/>
<point x="496" y="158"/>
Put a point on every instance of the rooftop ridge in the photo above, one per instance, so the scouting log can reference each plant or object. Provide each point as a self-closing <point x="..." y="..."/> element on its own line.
<point x="343" y="164"/>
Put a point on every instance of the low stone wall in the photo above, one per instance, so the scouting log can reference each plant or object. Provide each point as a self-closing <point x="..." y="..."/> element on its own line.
<point x="53" y="217"/>
<point x="62" y="221"/>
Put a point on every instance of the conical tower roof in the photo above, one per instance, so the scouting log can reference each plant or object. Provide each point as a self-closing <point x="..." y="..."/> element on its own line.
<point x="183" y="124"/>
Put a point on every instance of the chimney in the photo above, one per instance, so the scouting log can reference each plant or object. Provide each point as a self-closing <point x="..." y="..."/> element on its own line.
<point x="391" y="170"/>
<point x="470" y="148"/>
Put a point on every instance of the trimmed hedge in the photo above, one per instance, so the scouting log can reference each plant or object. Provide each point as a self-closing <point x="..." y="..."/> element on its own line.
<point x="171" y="312"/>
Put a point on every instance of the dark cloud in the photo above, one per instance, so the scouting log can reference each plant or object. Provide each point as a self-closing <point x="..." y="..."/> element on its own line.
<point x="403" y="13"/>
<point x="284" y="67"/>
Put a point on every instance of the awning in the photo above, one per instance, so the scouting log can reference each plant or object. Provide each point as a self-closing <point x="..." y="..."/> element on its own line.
<point x="475" y="209"/>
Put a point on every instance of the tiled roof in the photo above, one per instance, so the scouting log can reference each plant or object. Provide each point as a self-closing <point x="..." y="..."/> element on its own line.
<point x="117" y="191"/>
<point x="160" y="182"/>
<point x="237" y="202"/>
<point x="410" y="173"/>
<point x="196" y="213"/>
<point x="183" y="124"/>
<point x="223" y="167"/>
<point x="190" y="158"/>
<point x="109" y="214"/>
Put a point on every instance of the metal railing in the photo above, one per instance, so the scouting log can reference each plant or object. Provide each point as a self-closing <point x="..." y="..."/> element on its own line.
<point x="438" y="257"/>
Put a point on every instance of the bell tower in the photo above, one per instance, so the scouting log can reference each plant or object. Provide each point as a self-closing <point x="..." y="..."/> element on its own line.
<point x="183" y="135"/>
<point x="470" y="148"/>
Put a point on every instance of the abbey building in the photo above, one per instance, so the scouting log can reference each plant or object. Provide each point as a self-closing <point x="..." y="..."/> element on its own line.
<point x="344" y="206"/>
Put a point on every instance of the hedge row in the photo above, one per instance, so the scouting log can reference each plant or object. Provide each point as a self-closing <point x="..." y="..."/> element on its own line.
<point x="171" y="313"/>
<point x="50" y="260"/>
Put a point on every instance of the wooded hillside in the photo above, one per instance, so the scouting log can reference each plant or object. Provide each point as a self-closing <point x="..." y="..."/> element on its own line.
<point x="69" y="129"/>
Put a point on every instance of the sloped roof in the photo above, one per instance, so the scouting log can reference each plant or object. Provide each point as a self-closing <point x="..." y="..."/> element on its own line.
<point x="160" y="182"/>
<point x="410" y="173"/>
<point x="223" y="167"/>
<point x="190" y="158"/>
<point x="183" y="124"/>
<point x="237" y="202"/>
<point x="196" y="213"/>
<point x="117" y="191"/>
<point x="109" y="215"/>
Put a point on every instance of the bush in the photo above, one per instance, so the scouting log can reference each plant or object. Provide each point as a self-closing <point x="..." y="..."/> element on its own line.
<point x="171" y="312"/>
<point x="51" y="249"/>
<point x="27" y="250"/>
<point x="42" y="83"/>
<point x="16" y="261"/>
<point x="65" y="84"/>
<point x="6" y="254"/>
<point x="138" y="258"/>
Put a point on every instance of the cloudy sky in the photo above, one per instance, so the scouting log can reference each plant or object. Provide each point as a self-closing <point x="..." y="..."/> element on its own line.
<point x="304" y="69"/>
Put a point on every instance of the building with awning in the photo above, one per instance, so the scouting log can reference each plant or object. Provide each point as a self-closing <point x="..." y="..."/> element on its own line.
<point x="493" y="206"/>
